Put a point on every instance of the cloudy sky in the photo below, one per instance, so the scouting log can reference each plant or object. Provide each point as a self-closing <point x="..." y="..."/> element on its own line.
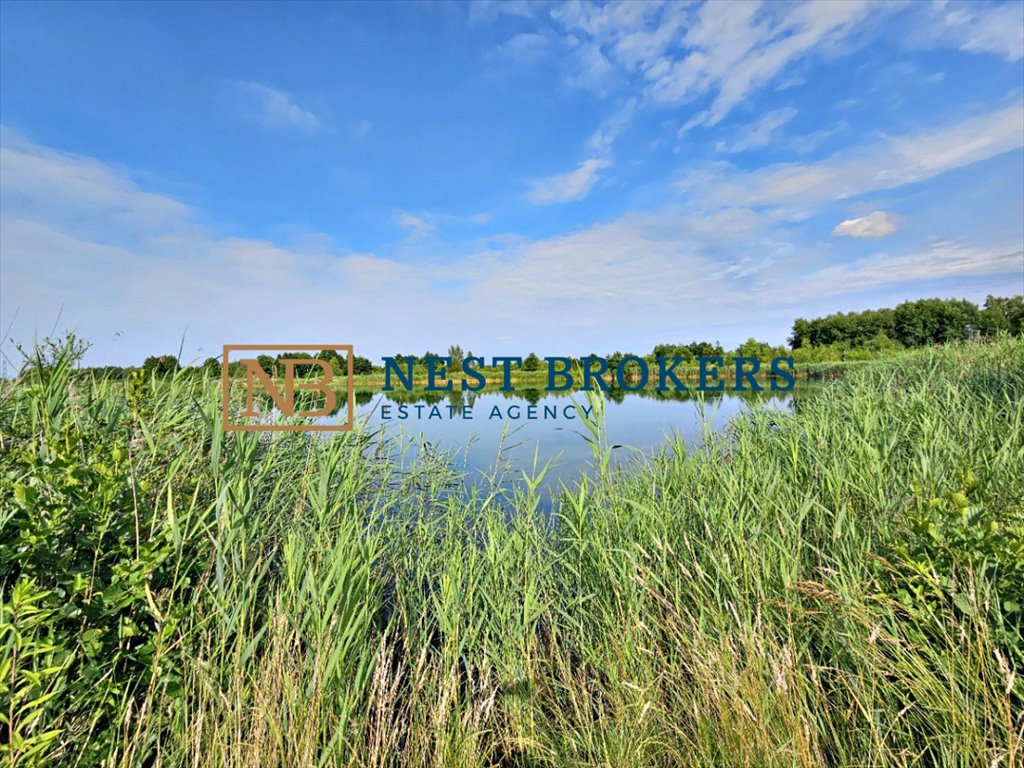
<point x="562" y="178"/>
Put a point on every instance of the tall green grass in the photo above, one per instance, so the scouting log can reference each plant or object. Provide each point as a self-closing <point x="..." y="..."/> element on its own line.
<point x="841" y="586"/>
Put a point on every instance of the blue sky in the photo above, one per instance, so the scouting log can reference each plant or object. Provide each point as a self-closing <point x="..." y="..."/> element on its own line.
<point x="560" y="178"/>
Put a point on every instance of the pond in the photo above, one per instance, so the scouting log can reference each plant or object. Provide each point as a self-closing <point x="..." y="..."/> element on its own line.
<point x="495" y="436"/>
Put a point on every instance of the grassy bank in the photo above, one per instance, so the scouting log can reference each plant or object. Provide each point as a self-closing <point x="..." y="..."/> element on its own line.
<point x="837" y="587"/>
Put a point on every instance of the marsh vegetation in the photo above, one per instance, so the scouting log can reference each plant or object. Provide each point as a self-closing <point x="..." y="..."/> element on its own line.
<point x="840" y="585"/>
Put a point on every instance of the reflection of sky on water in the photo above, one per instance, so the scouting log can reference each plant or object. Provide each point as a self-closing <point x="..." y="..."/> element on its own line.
<point x="639" y="424"/>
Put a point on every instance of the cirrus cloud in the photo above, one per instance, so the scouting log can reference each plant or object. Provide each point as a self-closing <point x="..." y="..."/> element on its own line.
<point x="566" y="187"/>
<point x="274" y="107"/>
<point x="874" y="225"/>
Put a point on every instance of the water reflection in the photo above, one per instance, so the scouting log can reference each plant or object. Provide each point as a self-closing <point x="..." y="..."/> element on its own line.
<point x="484" y="446"/>
<point x="491" y="437"/>
<point x="458" y="398"/>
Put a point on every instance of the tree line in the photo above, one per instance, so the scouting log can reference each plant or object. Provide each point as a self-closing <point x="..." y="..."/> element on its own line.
<point x="913" y="323"/>
<point x="839" y="336"/>
<point x="161" y="365"/>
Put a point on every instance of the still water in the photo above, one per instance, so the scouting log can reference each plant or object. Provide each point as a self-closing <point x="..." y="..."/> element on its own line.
<point x="490" y="435"/>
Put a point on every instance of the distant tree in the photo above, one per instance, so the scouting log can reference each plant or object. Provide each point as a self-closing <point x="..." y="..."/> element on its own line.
<point x="211" y="366"/>
<point x="293" y="356"/>
<point x="236" y="369"/>
<point x="423" y="360"/>
<point x="339" y="366"/>
<point x="669" y="350"/>
<point x="704" y="349"/>
<point x="936" y="321"/>
<point x="267" y="363"/>
<point x="756" y="349"/>
<point x="300" y="369"/>
<point x="690" y="351"/>
<point x="161" y="365"/>
<point x="455" y="353"/>
<point x="531" y="362"/>
<point x="875" y="322"/>
<point x="1003" y="314"/>
<point x="106" y="372"/>
<point x="912" y="324"/>
<point x="339" y="362"/>
<point x="880" y="343"/>
<point x="801" y="335"/>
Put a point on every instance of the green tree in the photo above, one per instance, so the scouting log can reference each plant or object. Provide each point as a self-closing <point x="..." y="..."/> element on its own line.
<point x="912" y="323"/>
<point x="1003" y="314"/>
<point x="881" y="344"/>
<point x="266" y="362"/>
<point x="455" y="353"/>
<point x="704" y="349"/>
<point x="936" y="321"/>
<point x="531" y="362"/>
<point x="801" y="335"/>
<point x="338" y="364"/>
<point x="757" y="349"/>
<point x="161" y="365"/>
<point x="300" y="369"/>
<point x="690" y="351"/>
<point x="669" y="350"/>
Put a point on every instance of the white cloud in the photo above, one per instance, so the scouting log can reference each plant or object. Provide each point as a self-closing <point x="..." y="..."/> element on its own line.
<point x="942" y="261"/>
<point x="999" y="31"/>
<point x="699" y="119"/>
<point x="524" y="48"/>
<point x="808" y="142"/>
<point x="590" y="70"/>
<point x="604" y="137"/>
<point x="974" y="27"/>
<point x="971" y="140"/>
<point x="887" y="164"/>
<point x="575" y="185"/>
<point x="273" y="106"/>
<point x="414" y="225"/>
<point x="72" y="186"/>
<point x="79" y="234"/>
<point x="565" y="187"/>
<point x="678" y="52"/>
<point x="759" y="134"/>
<point x="793" y="81"/>
<point x="673" y="53"/>
<point x="803" y="29"/>
<point x="874" y="225"/>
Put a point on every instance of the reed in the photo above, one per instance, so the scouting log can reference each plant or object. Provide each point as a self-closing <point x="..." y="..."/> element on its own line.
<point x="841" y="586"/>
